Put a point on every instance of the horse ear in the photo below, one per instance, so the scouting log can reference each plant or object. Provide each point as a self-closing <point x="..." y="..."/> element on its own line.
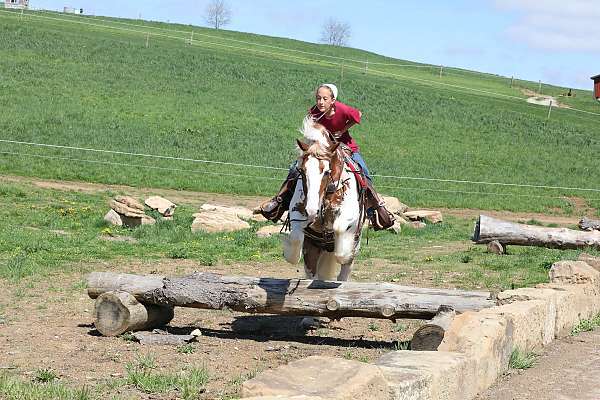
<point x="303" y="146"/>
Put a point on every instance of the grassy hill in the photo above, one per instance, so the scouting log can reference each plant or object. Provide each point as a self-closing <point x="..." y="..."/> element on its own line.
<point x="239" y="98"/>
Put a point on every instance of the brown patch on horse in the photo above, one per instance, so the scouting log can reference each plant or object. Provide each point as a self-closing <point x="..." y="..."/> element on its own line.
<point x="311" y="254"/>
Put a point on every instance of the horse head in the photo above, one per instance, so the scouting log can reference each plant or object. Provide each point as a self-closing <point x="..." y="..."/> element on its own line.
<point x="319" y="164"/>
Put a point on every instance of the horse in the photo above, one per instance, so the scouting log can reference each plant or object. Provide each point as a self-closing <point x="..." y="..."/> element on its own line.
<point x="326" y="213"/>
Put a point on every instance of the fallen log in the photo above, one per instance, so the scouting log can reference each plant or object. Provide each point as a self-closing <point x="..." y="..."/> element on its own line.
<point x="289" y="296"/>
<point x="586" y="224"/>
<point x="429" y="336"/>
<point x="488" y="229"/>
<point x="119" y="312"/>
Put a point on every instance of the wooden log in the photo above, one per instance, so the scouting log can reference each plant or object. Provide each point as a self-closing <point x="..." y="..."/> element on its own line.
<point x="586" y="224"/>
<point x="117" y="312"/>
<point x="290" y="296"/>
<point x="429" y="336"/>
<point x="488" y="229"/>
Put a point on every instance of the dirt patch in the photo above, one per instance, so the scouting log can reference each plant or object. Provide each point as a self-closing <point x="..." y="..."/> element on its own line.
<point x="542" y="99"/>
<point x="567" y="370"/>
<point x="50" y="324"/>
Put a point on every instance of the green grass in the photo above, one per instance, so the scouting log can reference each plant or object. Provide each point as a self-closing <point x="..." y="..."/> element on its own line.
<point x="586" y="325"/>
<point x="13" y="388"/>
<point x="204" y="101"/>
<point x="521" y="360"/>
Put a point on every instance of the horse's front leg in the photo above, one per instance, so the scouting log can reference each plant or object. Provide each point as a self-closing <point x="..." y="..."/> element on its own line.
<point x="293" y="243"/>
<point x="345" y="271"/>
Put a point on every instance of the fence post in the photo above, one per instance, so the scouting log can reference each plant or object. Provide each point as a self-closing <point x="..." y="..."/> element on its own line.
<point x="512" y="79"/>
<point x="342" y="77"/>
<point x="192" y="38"/>
<point x="549" y="110"/>
<point x="441" y="70"/>
<point x="366" y="67"/>
<point x="540" y="87"/>
<point x="147" y="39"/>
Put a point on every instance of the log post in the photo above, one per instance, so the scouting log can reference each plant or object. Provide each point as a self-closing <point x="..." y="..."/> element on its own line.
<point x="488" y="229"/>
<point x="429" y="336"/>
<point x="119" y="312"/>
<point x="301" y="297"/>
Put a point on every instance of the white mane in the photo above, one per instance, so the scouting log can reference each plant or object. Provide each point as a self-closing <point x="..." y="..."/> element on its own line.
<point x="311" y="132"/>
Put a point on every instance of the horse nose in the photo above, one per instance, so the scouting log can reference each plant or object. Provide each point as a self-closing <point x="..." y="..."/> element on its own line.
<point x="311" y="214"/>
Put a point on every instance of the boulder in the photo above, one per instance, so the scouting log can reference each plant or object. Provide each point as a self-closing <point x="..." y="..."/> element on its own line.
<point x="113" y="218"/>
<point x="241" y="212"/>
<point x="130" y="202"/>
<point x="218" y="222"/>
<point x="394" y="205"/>
<point x="573" y="272"/>
<point x="125" y="210"/>
<point x="162" y="205"/>
<point x="590" y="260"/>
<point x="268" y="231"/>
<point x="418" y="224"/>
<point x="421" y="215"/>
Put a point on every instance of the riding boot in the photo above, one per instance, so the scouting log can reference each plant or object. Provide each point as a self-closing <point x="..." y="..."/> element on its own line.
<point x="379" y="216"/>
<point x="274" y="208"/>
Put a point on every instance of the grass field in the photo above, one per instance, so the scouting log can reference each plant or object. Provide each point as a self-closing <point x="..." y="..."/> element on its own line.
<point x="95" y="86"/>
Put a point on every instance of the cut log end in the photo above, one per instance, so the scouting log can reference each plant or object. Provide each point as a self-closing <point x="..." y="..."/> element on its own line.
<point x="495" y="247"/>
<point x="429" y="336"/>
<point x="119" y="312"/>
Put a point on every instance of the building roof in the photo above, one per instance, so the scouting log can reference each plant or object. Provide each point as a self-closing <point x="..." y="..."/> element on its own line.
<point x="595" y="77"/>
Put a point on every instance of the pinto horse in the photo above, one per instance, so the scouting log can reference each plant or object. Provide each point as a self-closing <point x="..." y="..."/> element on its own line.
<point x="326" y="213"/>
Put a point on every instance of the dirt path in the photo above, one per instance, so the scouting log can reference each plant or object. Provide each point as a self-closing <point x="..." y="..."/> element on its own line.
<point x="568" y="370"/>
<point x="198" y="198"/>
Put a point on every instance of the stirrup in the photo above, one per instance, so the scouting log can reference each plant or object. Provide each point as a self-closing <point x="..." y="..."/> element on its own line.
<point x="380" y="218"/>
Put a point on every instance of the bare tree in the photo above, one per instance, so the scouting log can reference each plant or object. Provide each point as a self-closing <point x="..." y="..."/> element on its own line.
<point x="217" y="13"/>
<point x="335" y="32"/>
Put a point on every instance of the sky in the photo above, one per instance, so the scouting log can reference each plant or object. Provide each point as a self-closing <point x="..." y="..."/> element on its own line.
<point x="555" y="41"/>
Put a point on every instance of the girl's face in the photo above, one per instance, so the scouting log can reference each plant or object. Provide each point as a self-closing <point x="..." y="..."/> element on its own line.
<point x="324" y="99"/>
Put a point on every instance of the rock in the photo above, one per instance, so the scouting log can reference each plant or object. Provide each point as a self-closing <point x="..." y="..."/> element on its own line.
<point x="418" y="224"/>
<point x="268" y="231"/>
<point x="419" y="215"/>
<point x="113" y="218"/>
<point x="394" y="205"/>
<point x="131" y="222"/>
<point x="345" y="379"/>
<point x="241" y="212"/>
<point x="148" y="220"/>
<point x="218" y="222"/>
<point x="130" y="202"/>
<point x="162" y="205"/>
<point x="590" y="260"/>
<point x="573" y="272"/>
<point x="402" y="221"/>
<point x="396" y="228"/>
<point x="125" y="210"/>
<point x="495" y="247"/>
<point x="196" y="332"/>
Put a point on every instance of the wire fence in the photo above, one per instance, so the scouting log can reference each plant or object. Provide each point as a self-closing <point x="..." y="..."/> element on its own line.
<point x="221" y="173"/>
<point x="365" y="66"/>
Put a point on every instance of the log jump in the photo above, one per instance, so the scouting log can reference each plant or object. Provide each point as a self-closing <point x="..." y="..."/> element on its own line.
<point x="299" y="297"/>
<point x="488" y="229"/>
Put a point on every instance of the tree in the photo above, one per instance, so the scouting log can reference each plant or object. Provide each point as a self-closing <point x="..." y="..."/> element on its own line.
<point x="217" y="13"/>
<point x="335" y="33"/>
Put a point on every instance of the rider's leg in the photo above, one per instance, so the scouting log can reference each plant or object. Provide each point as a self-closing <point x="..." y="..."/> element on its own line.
<point x="379" y="216"/>
<point x="274" y="208"/>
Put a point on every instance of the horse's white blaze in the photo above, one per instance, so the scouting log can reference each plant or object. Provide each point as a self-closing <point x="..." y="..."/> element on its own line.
<point x="292" y="244"/>
<point x="314" y="176"/>
<point x="311" y="132"/>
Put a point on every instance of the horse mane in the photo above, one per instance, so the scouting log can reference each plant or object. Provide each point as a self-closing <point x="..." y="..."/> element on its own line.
<point x="316" y="136"/>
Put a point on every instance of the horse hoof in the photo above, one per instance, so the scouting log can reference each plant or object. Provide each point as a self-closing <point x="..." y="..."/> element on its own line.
<point x="312" y="323"/>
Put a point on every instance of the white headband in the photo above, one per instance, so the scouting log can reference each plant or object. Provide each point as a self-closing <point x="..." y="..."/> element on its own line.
<point x="331" y="87"/>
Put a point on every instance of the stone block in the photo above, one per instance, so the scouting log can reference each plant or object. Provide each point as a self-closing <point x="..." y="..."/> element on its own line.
<point x="574" y="272"/>
<point x="165" y="207"/>
<point x="113" y="218"/>
<point x="485" y="338"/>
<point x="532" y="320"/>
<point x="394" y="205"/>
<point x="547" y="296"/>
<point x="590" y="260"/>
<point x="268" y="231"/>
<point x="429" y="375"/>
<point x="218" y="222"/>
<point x="424" y="215"/>
<point x="325" y="377"/>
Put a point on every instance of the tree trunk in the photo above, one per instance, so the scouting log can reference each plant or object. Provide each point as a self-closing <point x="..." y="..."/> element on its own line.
<point x="429" y="336"/>
<point x="289" y="296"/>
<point x="488" y="229"/>
<point x="119" y="312"/>
<point x="586" y="224"/>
